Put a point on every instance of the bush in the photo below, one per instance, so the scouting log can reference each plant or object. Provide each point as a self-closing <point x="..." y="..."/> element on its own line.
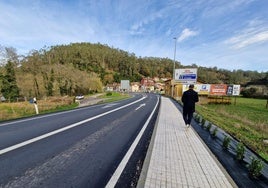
<point x="203" y="121"/>
<point x="197" y="118"/>
<point x="226" y="142"/>
<point x="109" y="93"/>
<point x="214" y="132"/>
<point x="255" y="167"/>
<point x="248" y="92"/>
<point x="240" y="151"/>
<point x="209" y="126"/>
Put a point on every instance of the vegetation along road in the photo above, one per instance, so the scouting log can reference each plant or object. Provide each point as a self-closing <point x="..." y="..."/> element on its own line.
<point x="247" y="120"/>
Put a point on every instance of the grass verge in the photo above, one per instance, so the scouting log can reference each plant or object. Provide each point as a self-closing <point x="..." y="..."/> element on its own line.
<point x="247" y="121"/>
<point x="48" y="105"/>
<point x="114" y="96"/>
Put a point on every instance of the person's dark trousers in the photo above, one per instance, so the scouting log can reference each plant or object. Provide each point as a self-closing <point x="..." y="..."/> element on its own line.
<point x="187" y="117"/>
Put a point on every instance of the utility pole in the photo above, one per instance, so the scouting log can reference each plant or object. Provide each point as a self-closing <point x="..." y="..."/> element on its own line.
<point x="173" y="78"/>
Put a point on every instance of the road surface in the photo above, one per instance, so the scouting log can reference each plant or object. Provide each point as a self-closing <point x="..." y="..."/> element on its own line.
<point x="85" y="147"/>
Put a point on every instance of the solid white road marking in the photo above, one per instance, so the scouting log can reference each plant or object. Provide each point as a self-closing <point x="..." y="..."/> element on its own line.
<point x="112" y="182"/>
<point x="63" y="129"/>
<point x="43" y="116"/>
<point x="110" y="105"/>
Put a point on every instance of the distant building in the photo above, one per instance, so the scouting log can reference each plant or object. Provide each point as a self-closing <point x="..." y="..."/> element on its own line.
<point x="135" y="86"/>
<point x="160" y="87"/>
<point x="147" y="84"/>
<point x="156" y="79"/>
<point x="112" y="87"/>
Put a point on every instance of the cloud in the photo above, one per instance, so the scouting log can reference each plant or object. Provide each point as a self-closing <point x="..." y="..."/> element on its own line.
<point x="242" y="41"/>
<point x="187" y="33"/>
<point x="139" y="27"/>
<point x="145" y="28"/>
<point x="254" y="33"/>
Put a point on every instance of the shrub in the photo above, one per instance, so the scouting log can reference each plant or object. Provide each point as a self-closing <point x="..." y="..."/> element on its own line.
<point x="255" y="167"/>
<point x="249" y="92"/>
<point x="209" y="126"/>
<point x="197" y="118"/>
<point x="203" y="121"/>
<point x="240" y="151"/>
<point x="226" y="142"/>
<point x="214" y="132"/>
<point x="109" y="93"/>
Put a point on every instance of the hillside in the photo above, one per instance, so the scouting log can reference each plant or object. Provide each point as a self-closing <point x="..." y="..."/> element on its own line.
<point x="84" y="67"/>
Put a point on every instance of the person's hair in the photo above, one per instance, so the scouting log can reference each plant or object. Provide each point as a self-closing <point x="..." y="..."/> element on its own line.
<point x="191" y="86"/>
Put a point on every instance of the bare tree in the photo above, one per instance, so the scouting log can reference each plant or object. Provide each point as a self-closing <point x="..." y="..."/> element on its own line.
<point x="8" y="54"/>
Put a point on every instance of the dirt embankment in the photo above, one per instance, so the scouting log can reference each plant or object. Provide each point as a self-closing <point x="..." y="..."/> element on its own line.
<point x="91" y="100"/>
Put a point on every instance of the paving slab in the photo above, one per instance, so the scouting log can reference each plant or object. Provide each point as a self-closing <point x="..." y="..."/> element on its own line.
<point x="177" y="157"/>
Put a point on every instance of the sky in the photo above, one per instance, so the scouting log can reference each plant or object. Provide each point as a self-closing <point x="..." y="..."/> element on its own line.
<point x="227" y="34"/>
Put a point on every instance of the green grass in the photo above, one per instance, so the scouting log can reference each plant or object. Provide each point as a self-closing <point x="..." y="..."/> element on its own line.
<point x="114" y="96"/>
<point x="247" y="121"/>
<point x="61" y="108"/>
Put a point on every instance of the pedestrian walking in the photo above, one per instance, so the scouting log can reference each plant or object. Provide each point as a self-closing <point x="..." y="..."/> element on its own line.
<point x="189" y="98"/>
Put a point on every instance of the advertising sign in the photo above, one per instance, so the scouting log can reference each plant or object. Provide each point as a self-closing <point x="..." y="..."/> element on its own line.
<point x="218" y="89"/>
<point x="201" y="89"/>
<point x="229" y="90"/>
<point x="236" y="90"/>
<point x="186" y="76"/>
<point x="214" y="89"/>
<point x="185" y="87"/>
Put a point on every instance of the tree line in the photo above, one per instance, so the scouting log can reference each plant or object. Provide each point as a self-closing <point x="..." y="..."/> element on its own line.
<point x="80" y="68"/>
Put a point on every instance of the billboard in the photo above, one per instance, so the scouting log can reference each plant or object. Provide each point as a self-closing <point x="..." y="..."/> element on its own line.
<point x="218" y="89"/>
<point x="214" y="89"/>
<point x="236" y="90"/>
<point x="186" y="76"/>
<point x="229" y="90"/>
<point x="201" y="89"/>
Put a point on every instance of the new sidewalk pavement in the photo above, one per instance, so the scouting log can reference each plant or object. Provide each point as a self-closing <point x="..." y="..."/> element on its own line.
<point x="178" y="158"/>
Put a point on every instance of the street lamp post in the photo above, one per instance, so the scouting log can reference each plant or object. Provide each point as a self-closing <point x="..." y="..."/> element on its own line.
<point x="172" y="90"/>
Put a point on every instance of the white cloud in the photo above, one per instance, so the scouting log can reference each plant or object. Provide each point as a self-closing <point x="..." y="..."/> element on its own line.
<point x="255" y="33"/>
<point x="139" y="27"/>
<point x="187" y="33"/>
<point x="145" y="28"/>
<point x="242" y="41"/>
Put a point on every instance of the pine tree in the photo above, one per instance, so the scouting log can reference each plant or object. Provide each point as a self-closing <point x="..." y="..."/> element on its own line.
<point x="9" y="88"/>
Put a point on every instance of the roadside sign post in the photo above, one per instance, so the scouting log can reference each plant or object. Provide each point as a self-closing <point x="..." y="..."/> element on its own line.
<point x="267" y="102"/>
<point x="35" y="105"/>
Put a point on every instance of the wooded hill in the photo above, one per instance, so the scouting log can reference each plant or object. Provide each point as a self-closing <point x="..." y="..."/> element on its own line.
<point x="84" y="67"/>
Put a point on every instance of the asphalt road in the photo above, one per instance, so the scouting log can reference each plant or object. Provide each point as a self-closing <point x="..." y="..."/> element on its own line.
<point x="77" y="148"/>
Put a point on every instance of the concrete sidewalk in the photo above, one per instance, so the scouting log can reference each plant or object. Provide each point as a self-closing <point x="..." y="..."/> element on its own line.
<point x="178" y="158"/>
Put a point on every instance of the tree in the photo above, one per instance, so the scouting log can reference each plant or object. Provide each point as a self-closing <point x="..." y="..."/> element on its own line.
<point x="8" y="54"/>
<point x="9" y="88"/>
<point x="250" y="92"/>
<point x="108" y="79"/>
<point x="48" y="82"/>
<point x="11" y="54"/>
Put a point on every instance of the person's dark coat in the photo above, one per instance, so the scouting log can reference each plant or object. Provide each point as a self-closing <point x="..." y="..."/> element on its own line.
<point x="189" y="98"/>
